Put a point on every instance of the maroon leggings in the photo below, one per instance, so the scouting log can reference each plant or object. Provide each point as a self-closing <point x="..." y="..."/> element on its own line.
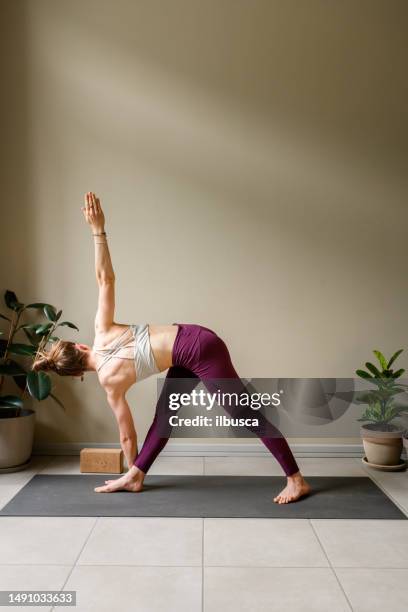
<point x="199" y="354"/>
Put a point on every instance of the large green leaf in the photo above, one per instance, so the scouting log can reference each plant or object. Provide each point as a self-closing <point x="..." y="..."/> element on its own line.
<point x="21" y="381"/>
<point x="364" y="397"/>
<point x="68" y="324"/>
<point x="43" y="330"/>
<point x="11" y="301"/>
<point x="33" y="338"/>
<point x="398" y="373"/>
<point x="38" y="305"/>
<point x="394" y="357"/>
<point x="17" y="348"/>
<point x="50" y="312"/>
<point x="31" y="326"/>
<point x="12" y="369"/>
<point x="30" y="330"/>
<point x="370" y="366"/>
<point x="39" y="384"/>
<point x="364" y="374"/>
<point x="381" y="359"/>
<point x="11" y="401"/>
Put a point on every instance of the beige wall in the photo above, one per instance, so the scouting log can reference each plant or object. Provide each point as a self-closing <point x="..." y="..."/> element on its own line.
<point x="251" y="156"/>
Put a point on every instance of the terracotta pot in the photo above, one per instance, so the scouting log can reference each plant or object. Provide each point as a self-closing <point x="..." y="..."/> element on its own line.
<point x="382" y="446"/>
<point x="16" y="437"/>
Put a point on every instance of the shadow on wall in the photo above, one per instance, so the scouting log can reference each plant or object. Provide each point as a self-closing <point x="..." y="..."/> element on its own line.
<point x="265" y="102"/>
<point x="288" y="112"/>
<point x="17" y="237"/>
<point x="304" y="71"/>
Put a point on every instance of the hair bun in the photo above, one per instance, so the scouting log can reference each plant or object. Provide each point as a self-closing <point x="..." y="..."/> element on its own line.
<point x="43" y="362"/>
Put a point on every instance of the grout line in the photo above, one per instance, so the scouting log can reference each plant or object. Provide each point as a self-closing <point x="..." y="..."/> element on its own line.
<point x="331" y="566"/>
<point x="76" y="560"/>
<point x="202" y="567"/>
<point x="248" y="567"/>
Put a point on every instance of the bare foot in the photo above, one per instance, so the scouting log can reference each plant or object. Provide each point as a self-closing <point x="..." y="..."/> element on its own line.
<point x="131" y="481"/>
<point x="296" y="488"/>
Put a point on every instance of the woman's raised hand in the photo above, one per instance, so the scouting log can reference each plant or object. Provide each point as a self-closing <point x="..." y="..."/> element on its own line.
<point x="93" y="212"/>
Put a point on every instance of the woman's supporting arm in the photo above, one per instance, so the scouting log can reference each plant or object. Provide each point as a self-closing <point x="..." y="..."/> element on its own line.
<point x="127" y="431"/>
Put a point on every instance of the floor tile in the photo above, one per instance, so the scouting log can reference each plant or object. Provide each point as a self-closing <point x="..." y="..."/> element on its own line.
<point x="242" y="466"/>
<point x="364" y="543"/>
<point x="62" y="464"/>
<point x="395" y="484"/>
<point x="162" y="465"/>
<point x="23" y="476"/>
<point x="375" y="590"/>
<point x="32" y="578"/>
<point x="52" y="540"/>
<point x="330" y="466"/>
<point x="145" y="541"/>
<point x="67" y="464"/>
<point x="272" y="590"/>
<point x="7" y="492"/>
<point x="12" y="482"/>
<point x="142" y="589"/>
<point x="262" y="542"/>
<point x="268" y="466"/>
<point x="178" y="465"/>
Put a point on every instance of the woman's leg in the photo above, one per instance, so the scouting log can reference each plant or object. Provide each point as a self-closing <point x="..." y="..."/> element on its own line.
<point x="217" y="372"/>
<point x="154" y="443"/>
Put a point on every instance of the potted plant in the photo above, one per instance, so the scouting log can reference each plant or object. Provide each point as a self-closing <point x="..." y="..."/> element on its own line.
<point x="382" y="439"/>
<point x="16" y="420"/>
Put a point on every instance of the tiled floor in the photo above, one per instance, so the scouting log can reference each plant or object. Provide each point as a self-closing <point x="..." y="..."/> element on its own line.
<point x="196" y="565"/>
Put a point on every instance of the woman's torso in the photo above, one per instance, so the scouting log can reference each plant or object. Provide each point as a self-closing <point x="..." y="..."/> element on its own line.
<point x="119" y="372"/>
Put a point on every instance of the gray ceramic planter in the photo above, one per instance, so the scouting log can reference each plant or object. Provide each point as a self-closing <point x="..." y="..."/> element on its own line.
<point x="16" y="437"/>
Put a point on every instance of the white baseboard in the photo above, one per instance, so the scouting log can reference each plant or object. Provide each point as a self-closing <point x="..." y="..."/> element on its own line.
<point x="181" y="449"/>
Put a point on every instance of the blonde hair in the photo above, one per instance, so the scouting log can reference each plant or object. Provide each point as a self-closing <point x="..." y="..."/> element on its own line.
<point x="63" y="357"/>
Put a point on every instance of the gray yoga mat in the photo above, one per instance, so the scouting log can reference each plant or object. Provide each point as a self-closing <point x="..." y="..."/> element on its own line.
<point x="202" y="496"/>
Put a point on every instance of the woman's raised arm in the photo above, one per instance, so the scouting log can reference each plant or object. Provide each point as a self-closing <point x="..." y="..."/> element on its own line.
<point x="94" y="216"/>
<point x="105" y="275"/>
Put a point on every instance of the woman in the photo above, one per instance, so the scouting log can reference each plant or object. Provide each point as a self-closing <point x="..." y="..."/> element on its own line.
<point x="124" y="354"/>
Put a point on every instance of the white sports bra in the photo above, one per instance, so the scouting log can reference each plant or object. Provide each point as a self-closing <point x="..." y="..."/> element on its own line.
<point x="145" y="364"/>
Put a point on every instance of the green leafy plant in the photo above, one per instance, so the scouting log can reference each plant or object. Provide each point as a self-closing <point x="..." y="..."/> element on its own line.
<point x="14" y="354"/>
<point x="382" y="405"/>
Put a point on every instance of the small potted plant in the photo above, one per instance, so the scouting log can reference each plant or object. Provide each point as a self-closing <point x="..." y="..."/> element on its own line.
<point x="382" y="439"/>
<point x="16" y="420"/>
